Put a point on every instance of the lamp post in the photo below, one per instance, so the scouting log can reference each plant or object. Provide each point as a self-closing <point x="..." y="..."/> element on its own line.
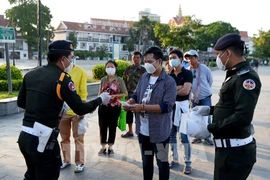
<point x="17" y="28"/>
<point x="39" y="32"/>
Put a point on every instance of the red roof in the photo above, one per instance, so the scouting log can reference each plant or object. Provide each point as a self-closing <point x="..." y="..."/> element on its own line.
<point x="107" y="27"/>
<point x="177" y="21"/>
<point x="244" y="34"/>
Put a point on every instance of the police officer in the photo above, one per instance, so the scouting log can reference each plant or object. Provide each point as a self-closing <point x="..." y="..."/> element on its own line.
<point x="235" y="152"/>
<point x="42" y="95"/>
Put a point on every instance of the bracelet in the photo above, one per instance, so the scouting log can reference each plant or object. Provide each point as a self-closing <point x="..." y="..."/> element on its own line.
<point x="142" y="109"/>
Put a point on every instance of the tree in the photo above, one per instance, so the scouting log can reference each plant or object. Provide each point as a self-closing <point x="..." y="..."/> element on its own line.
<point x="72" y="37"/>
<point x="207" y="35"/>
<point x="28" y="23"/>
<point x="262" y="44"/>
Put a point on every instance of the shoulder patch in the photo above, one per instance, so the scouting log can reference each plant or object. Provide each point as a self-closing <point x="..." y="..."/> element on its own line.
<point x="71" y="86"/>
<point x="249" y="84"/>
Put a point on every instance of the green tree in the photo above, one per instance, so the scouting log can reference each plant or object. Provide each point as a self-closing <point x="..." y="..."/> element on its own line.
<point x="207" y="35"/>
<point x="262" y="44"/>
<point x="102" y="52"/>
<point x="72" y="37"/>
<point x="28" y="23"/>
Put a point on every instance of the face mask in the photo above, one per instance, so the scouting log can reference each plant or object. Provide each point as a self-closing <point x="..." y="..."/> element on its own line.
<point x="219" y="63"/>
<point x="150" y="68"/>
<point x="73" y="60"/>
<point x="110" y="71"/>
<point x="174" y="62"/>
<point x="67" y="69"/>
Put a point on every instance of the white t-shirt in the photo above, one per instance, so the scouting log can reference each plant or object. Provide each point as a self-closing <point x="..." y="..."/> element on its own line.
<point x="144" y="128"/>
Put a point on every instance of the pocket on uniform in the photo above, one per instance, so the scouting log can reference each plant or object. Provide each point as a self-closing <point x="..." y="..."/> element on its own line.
<point x="250" y="154"/>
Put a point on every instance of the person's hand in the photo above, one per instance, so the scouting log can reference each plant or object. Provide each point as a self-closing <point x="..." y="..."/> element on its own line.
<point x="203" y="131"/>
<point x="179" y="87"/>
<point x="105" y="98"/>
<point x="131" y="101"/>
<point x="135" y="108"/>
<point x="202" y="110"/>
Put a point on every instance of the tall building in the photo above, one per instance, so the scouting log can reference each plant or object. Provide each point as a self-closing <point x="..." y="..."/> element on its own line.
<point x="248" y="41"/>
<point x="96" y="33"/>
<point x="147" y="13"/>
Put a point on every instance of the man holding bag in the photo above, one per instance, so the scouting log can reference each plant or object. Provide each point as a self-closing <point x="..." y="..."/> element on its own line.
<point x="231" y="127"/>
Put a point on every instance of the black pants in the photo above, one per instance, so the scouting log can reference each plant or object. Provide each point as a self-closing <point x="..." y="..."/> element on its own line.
<point x="40" y="166"/>
<point x="161" y="150"/>
<point x="129" y="117"/>
<point x="234" y="163"/>
<point x="108" y="118"/>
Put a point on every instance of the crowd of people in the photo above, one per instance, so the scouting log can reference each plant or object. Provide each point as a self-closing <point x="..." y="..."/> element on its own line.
<point x="157" y="97"/>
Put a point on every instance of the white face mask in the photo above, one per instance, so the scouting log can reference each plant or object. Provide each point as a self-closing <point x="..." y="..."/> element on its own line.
<point x="110" y="71"/>
<point x="150" y="68"/>
<point x="219" y="63"/>
<point x="174" y="62"/>
<point x="67" y="69"/>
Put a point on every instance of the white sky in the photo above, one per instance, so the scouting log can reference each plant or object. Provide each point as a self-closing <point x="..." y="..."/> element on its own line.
<point x="245" y="15"/>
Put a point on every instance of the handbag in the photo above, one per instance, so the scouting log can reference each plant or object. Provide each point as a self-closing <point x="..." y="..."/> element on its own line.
<point x="122" y="116"/>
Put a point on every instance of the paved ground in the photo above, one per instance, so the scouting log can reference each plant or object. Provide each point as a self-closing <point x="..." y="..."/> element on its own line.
<point x="126" y="163"/>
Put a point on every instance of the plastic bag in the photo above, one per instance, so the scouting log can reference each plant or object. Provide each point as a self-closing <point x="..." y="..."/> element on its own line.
<point x="82" y="126"/>
<point x="122" y="117"/>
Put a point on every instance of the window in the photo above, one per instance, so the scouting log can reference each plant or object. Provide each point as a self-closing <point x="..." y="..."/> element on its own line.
<point x="82" y="45"/>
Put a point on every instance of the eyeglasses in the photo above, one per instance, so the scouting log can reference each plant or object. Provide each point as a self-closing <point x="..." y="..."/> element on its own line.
<point x="194" y="73"/>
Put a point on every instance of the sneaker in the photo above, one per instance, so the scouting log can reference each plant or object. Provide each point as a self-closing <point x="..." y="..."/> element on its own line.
<point x="64" y="164"/>
<point x="128" y="134"/>
<point x="102" y="152"/>
<point x="173" y="164"/>
<point x="187" y="170"/>
<point x="79" y="168"/>
<point x="209" y="142"/>
<point x="196" y="141"/>
<point x="110" y="152"/>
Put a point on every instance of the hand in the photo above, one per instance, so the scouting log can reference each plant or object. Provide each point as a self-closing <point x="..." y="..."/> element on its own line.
<point x="131" y="101"/>
<point x="202" y="110"/>
<point x="203" y="131"/>
<point x="135" y="108"/>
<point x="105" y="98"/>
<point x="126" y="108"/>
<point x="179" y="87"/>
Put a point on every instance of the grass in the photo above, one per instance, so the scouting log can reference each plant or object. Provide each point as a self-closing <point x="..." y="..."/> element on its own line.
<point x="5" y="94"/>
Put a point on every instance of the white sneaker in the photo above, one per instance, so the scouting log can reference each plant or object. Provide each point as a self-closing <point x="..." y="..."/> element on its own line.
<point x="79" y="168"/>
<point x="64" y="164"/>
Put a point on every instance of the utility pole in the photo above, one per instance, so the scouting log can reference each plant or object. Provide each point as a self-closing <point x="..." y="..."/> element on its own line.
<point x="8" y="69"/>
<point x="39" y="18"/>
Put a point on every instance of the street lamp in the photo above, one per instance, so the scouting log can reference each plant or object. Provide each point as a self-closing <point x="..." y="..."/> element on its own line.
<point x="17" y="28"/>
<point x="39" y="32"/>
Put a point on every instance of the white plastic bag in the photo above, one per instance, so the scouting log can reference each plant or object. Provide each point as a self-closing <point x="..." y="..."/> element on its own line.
<point x="82" y="126"/>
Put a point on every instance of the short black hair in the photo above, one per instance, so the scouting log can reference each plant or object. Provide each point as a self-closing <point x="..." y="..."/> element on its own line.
<point x="238" y="48"/>
<point x="111" y="61"/>
<point x="54" y="56"/>
<point x="137" y="53"/>
<point x="177" y="52"/>
<point x="156" y="51"/>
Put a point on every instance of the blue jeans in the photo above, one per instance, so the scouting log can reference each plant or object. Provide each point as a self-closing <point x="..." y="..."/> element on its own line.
<point x="204" y="102"/>
<point x="185" y="142"/>
<point x="161" y="150"/>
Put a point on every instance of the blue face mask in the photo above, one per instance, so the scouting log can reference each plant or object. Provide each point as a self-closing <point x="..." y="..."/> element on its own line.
<point x="174" y="62"/>
<point x="73" y="60"/>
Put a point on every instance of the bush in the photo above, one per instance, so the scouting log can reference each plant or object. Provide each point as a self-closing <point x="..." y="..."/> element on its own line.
<point x="16" y="85"/>
<point x="212" y="64"/>
<point x="98" y="71"/>
<point x="15" y="73"/>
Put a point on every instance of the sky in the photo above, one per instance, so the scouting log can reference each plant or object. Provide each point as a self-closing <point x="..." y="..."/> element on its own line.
<point x="245" y="15"/>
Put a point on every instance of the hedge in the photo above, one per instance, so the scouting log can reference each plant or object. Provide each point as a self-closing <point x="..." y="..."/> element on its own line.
<point x="15" y="72"/>
<point x="16" y="84"/>
<point x="98" y="70"/>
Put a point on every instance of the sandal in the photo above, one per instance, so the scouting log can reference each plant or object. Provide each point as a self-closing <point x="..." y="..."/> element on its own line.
<point x="126" y="135"/>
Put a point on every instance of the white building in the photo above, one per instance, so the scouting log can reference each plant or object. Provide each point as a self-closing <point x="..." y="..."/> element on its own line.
<point x="248" y="41"/>
<point x="20" y="47"/>
<point x="147" y="13"/>
<point x="97" y="33"/>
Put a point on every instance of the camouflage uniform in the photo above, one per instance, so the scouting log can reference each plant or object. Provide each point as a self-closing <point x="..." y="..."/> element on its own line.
<point x="131" y="77"/>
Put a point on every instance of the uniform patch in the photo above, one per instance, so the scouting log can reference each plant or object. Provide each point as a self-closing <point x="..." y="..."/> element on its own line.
<point x="249" y="84"/>
<point x="71" y="86"/>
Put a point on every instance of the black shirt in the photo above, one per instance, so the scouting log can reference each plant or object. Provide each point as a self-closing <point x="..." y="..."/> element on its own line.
<point x="181" y="78"/>
<point x="233" y="113"/>
<point x="39" y="99"/>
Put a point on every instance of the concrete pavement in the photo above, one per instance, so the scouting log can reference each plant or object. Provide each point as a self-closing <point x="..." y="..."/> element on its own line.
<point x="126" y="164"/>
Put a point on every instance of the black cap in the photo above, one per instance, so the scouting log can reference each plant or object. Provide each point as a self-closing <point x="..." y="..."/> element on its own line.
<point x="227" y="41"/>
<point x="61" y="45"/>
